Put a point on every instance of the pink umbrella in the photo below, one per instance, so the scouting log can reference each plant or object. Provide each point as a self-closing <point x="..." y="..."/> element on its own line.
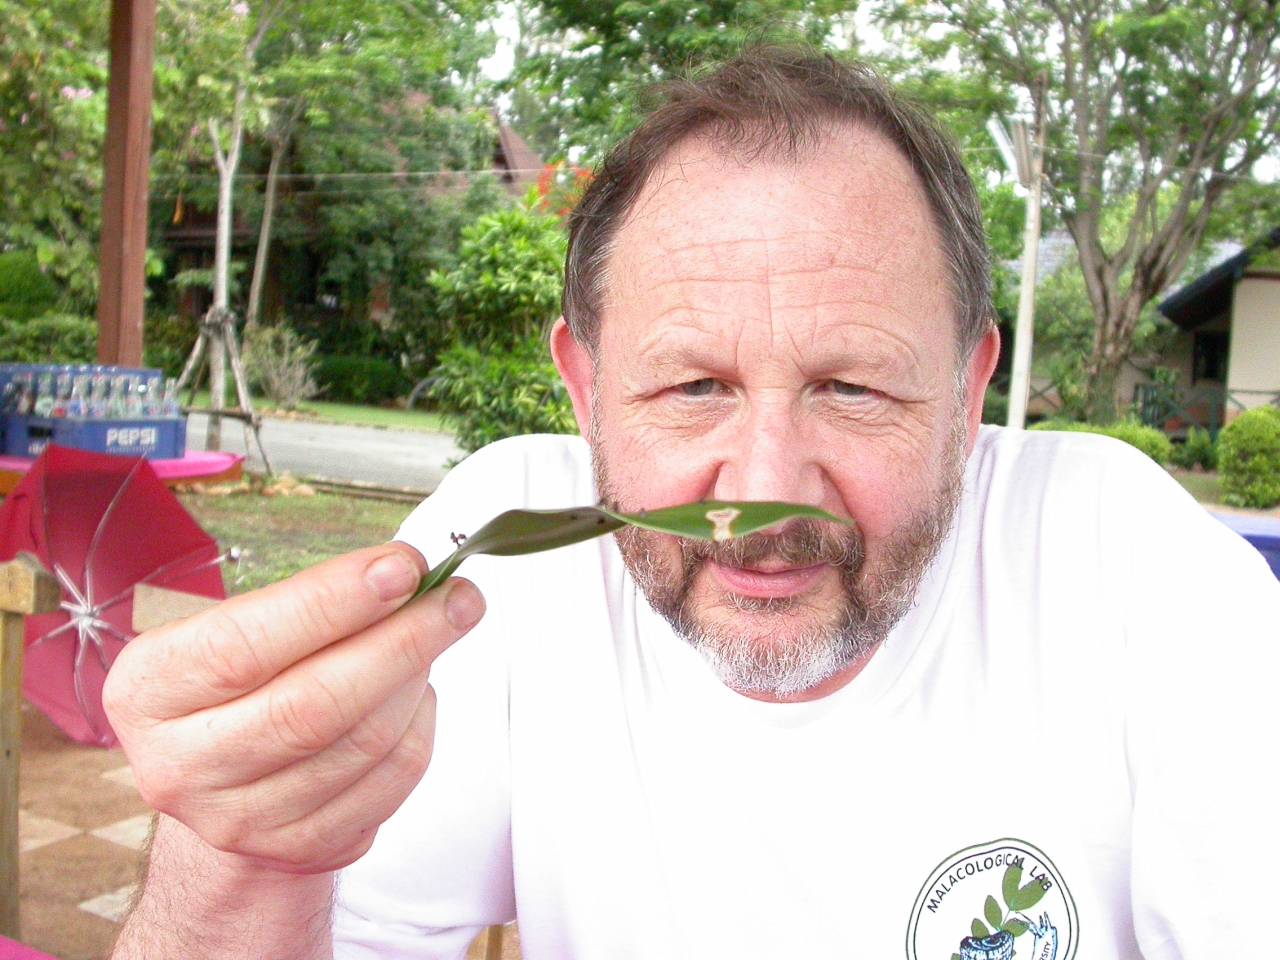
<point x="102" y="524"/>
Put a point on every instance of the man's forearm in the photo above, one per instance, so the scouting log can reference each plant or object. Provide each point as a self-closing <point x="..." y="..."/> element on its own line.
<point x="196" y="901"/>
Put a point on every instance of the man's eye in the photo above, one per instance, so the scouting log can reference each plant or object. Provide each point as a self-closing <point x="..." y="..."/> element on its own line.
<point x="699" y="388"/>
<point x="847" y="389"/>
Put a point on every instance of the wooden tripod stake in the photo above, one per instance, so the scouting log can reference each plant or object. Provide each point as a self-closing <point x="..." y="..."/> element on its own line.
<point x="218" y="337"/>
<point x="25" y="588"/>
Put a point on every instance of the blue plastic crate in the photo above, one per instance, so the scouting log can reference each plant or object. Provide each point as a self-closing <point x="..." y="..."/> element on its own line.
<point x="158" y="438"/>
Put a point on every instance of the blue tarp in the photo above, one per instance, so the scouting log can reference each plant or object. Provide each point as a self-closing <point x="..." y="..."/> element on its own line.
<point x="1262" y="532"/>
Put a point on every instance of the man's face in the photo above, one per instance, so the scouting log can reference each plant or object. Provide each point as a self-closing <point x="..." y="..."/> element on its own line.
<point x="781" y="331"/>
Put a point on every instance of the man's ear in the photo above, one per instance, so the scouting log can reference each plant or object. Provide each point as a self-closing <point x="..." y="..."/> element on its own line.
<point x="577" y="370"/>
<point x="982" y="364"/>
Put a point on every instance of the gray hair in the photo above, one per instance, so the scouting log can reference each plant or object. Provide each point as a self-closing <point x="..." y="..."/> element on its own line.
<point x="777" y="102"/>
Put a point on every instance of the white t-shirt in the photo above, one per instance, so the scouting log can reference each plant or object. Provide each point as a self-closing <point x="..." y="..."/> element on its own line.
<point x="1084" y="691"/>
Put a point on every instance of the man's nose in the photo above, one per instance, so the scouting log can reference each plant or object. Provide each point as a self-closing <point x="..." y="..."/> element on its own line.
<point x="767" y="457"/>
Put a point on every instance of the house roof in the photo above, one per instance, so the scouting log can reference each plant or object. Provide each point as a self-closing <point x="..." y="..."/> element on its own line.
<point x="519" y="164"/>
<point x="1208" y="296"/>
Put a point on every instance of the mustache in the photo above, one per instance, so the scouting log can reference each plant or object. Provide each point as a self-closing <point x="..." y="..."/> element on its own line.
<point x="803" y="542"/>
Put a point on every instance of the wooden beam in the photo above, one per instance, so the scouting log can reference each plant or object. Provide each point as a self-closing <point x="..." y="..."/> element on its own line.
<point x="25" y="587"/>
<point x="126" y="160"/>
<point x="155" y="606"/>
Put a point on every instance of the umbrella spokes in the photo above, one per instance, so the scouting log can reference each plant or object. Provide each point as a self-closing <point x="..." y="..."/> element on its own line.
<point x="86" y="619"/>
<point x="162" y="574"/>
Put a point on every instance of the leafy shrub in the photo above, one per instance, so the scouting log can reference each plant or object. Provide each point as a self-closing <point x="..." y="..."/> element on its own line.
<point x="995" y="407"/>
<point x="1196" y="450"/>
<point x="493" y="394"/>
<point x="506" y="286"/>
<point x="25" y="291"/>
<point x="1147" y="439"/>
<point x="167" y="341"/>
<point x="278" y="363"/>
<point x="1249" y="459"/>
<point x="53" y="338"/>
<point x="357" y="379"/>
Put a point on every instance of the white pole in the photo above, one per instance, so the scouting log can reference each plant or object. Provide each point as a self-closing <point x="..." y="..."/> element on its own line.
<point x="1023" y="334"/>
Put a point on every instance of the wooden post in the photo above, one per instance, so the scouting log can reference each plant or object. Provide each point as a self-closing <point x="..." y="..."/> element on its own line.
<point x="493" y="943"/>
<point x="126" y="160"/>
<point x="25" y="588"/>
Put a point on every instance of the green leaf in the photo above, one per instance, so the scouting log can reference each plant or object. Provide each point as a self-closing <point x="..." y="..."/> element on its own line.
<point x="1028" y="896"/>
<point x="956" y="956"/>
<point x="519" y="532"/>
<point x="1015" y="927"/>
<point x="1009" y="886"/>
<point x="721" y="520"/>
<point x="991" y="910"/>
<point x="979" y="930"/>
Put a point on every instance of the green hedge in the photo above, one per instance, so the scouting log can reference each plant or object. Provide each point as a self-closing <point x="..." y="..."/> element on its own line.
<point x="1196" y="451"/>
<point x="492" y="394"/>
<point x="1147" y="439"/>
<point x="370" y="380"/>
<point x="53" y="338"/>
<point x="25" y="290"/>
<point x="1249" y="459"/>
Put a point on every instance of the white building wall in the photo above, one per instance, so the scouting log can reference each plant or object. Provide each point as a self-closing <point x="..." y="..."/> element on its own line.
<point x="1253" y="370"/>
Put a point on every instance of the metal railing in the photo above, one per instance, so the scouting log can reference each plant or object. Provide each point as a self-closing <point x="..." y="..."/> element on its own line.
<point x="1173" y="409"/>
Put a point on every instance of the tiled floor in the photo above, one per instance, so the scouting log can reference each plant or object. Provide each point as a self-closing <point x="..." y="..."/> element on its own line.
<point x="81" y="827"/>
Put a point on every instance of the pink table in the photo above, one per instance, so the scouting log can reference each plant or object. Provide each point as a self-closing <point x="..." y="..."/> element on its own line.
<point x="195" y="466"/>
<point x="13" y="950"/>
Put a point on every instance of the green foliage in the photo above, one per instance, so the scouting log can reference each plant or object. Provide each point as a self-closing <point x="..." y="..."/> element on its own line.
<point x="52" y="338"/>
<point x="358" y="379"/>
<point x="1147" y="439"/>
<point x="167" y="341"/>
<point x="506" y="286"/>
<point x="582" y="62"/>
<point x="53" y="69"/>
<point x="488" y="395"/>
<point x="995" y="407"/>
<point x="1196" y="451"/>
<point x="1249" y="459"/>
<point x="25" y="290"/>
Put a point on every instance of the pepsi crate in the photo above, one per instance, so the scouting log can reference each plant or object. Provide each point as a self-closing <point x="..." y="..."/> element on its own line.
<point x="156" y="438"/>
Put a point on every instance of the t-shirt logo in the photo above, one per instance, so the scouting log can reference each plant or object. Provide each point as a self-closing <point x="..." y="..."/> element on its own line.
<point x="995" y="901"/>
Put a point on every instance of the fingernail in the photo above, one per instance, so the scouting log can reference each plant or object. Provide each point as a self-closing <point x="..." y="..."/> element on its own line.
<point x="464" y="606"/>
<point x="392" y="576"/>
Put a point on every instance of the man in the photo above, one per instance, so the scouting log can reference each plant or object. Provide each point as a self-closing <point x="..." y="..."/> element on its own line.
<point x="1018" y="705"/>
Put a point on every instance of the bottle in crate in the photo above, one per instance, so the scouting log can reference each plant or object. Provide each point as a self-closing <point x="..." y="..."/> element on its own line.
<point x="78" y="405"/>
<point x="61" y="395"/>
<point x="98" y="396"/>
<point x="44" y="396"/>
<point x="170" y="407"/>
<point x="115" y="399"/>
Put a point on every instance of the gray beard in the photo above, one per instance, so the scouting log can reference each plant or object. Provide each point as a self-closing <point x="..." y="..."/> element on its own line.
<point x="875" y="596"/>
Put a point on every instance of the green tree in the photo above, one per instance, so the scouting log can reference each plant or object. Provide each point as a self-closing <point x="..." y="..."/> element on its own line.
<point x="583" y="61"/>
<point x="506" y="286"/>
<point x="1163" y="107"/>
<point x="53" y="68"/>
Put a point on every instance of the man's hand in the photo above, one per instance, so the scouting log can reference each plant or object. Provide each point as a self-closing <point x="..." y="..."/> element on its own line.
<point x="284" y="726"/>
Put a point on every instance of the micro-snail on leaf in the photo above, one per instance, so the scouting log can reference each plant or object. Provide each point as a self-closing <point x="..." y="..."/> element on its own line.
<point x="532" y="531"/>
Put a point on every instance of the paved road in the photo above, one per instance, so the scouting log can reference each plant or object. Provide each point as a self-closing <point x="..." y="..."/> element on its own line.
<point x="394" y="458"/>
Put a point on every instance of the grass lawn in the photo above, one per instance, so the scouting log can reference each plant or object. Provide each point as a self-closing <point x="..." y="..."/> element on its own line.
<point x="283" y="535"/>
<point x="394" y="418"/>
<point x="1202" y="486"/>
